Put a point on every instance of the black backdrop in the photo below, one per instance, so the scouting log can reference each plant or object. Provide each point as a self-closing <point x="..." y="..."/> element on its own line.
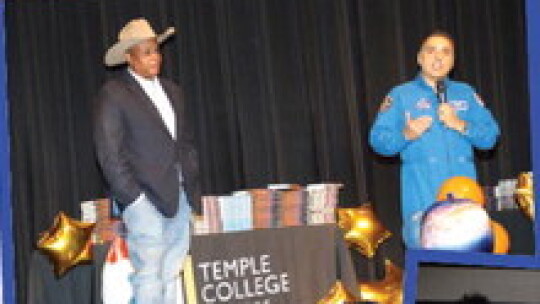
<point x="280" y="91"/>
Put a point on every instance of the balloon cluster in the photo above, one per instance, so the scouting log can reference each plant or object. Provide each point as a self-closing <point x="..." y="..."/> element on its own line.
<point x="67" y="243"/>
<point x="466" y="188"/>
<point x="364" y="232"/>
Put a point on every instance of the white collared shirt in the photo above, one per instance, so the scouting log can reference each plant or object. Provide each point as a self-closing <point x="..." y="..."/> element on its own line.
<point x="154" y="90"/>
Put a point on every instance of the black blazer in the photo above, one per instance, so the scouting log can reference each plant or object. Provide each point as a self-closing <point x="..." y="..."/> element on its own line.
<point x="135" y="150"/>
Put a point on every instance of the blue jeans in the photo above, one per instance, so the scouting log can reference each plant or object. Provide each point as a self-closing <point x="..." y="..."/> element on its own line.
<point x="157" y="248"/>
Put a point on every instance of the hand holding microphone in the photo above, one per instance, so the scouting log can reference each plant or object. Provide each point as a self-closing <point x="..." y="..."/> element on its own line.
<point x="446" y="112"/>
<point x="448" y="116"/>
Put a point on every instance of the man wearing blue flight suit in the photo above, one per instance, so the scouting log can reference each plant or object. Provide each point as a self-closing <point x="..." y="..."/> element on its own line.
<point x="434" y="137"/>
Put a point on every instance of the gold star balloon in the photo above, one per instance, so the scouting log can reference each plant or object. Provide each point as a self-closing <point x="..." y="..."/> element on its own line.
<point x="525" y="193"/>
<point x="338" y="295"/>
<point x="67" y="243"/>
<point x="362" y="229"/>
<point x="387" y="291"/>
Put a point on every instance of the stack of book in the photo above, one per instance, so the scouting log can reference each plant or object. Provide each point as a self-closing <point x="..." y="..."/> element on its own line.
<point x="211" y="219"/>
<point x="293" y="207"/>
<point x="98" y="211"/>
<point x="322" y="200"/>
<point x="236" y="211"/>
<point x="264" y="208"/>
<point x="278" y="205"/>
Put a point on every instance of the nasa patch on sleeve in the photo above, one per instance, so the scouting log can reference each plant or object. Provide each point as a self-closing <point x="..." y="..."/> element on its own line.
<point x="386" y="104"/>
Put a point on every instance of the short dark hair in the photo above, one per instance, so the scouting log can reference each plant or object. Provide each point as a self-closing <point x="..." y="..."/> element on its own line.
<point x="438" y="33"/>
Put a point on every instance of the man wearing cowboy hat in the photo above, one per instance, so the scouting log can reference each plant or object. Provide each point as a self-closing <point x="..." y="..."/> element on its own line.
<point x="146" y="151"/>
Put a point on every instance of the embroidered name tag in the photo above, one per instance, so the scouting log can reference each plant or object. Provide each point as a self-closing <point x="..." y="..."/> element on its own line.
<point x="460" y="105"/>
<point x="423" y="104"/>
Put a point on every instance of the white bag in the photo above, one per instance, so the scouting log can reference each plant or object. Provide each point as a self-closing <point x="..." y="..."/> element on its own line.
<point x="116" y="288"/>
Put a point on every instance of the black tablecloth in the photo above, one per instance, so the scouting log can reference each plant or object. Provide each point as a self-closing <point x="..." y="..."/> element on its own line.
<point x="313" y="257"/>
<point x="79" y="285"/>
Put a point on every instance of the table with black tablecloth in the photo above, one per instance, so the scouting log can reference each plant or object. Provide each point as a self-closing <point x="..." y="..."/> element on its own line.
<point x="307" y="260"/>
<point x="287" y="265"/>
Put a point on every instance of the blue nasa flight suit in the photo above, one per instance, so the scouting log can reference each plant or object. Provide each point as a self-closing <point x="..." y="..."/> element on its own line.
<point x="439" y="153"/>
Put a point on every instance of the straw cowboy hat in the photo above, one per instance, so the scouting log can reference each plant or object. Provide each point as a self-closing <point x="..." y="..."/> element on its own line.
<point x="133" y="33"/>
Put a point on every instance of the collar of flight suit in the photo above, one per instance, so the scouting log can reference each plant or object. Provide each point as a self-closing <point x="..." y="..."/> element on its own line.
<point x="424" y="85"/>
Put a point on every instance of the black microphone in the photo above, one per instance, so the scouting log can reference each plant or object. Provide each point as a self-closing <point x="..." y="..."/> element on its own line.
<point x="441" y="91"/>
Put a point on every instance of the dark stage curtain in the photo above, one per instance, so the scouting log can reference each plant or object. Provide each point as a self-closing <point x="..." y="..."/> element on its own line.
<point x="280" y="91"/>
